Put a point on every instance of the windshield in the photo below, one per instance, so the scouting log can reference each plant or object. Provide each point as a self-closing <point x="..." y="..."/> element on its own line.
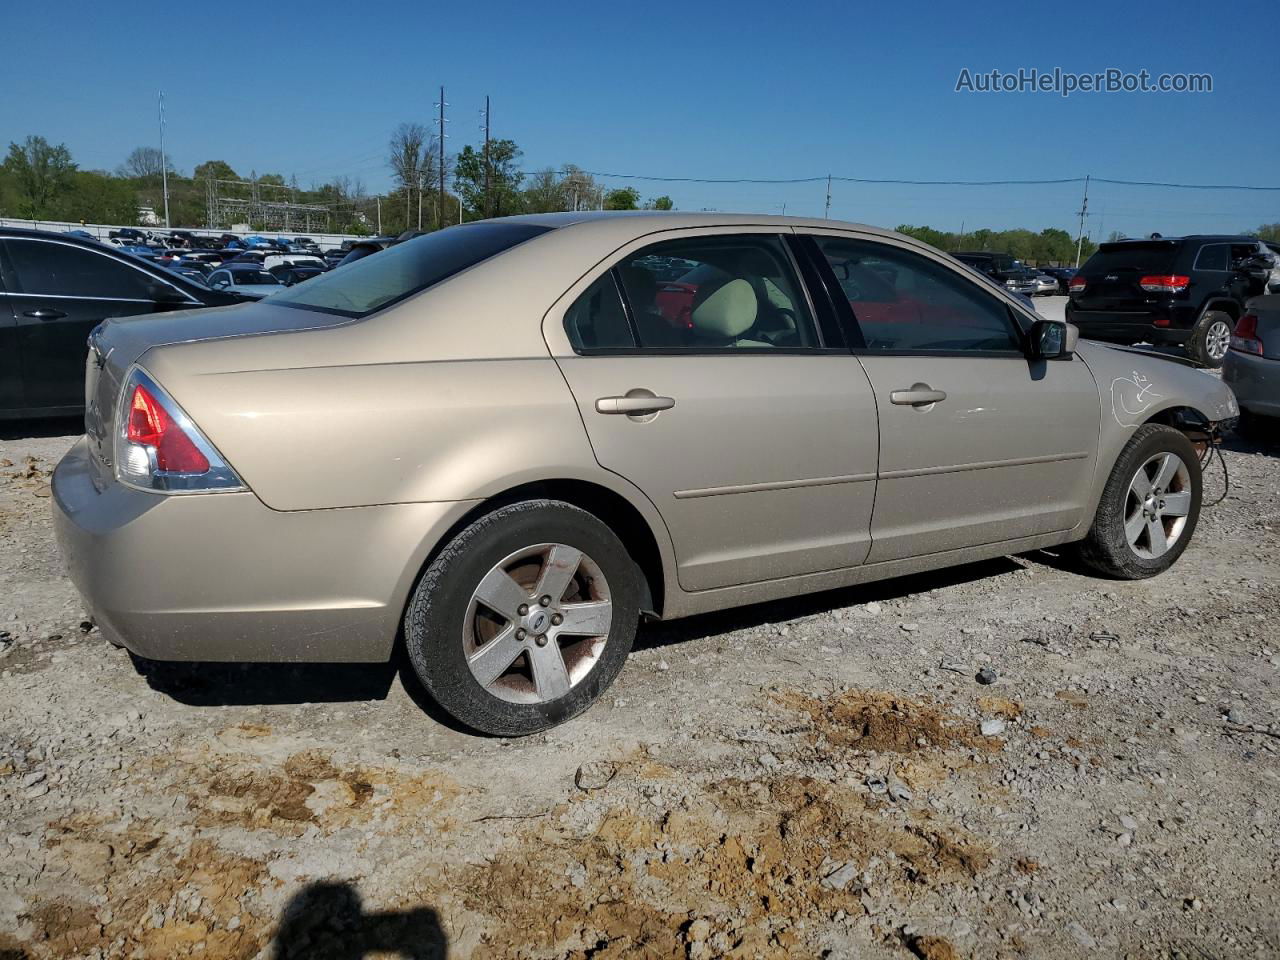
<point x="379" y="280"/>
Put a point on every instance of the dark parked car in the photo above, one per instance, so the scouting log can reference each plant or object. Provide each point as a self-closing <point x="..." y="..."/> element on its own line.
<point x="1063" y="275"/>
<point x="289" y="274"/>
<point x="1169" y="290"/>
<point x="128" y="235"/>
<point x="1252" y="365"/>
<point x="1005" y="269"/>
<point x="54" y="289"/>
<point x="360" y="249"/>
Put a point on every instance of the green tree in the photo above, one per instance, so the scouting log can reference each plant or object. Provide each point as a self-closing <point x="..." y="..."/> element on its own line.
<point x="144" y="162"/>
<point x="545" y="193"/>
<point x="272" y="179"/>
<point x="660" y="203"/>
<point x="624" y="198"/>
<point x="40" y="174"/>
<point x="216" y="170"/>
<point x="1268" y="231"/>
<point x="504" y="179"/>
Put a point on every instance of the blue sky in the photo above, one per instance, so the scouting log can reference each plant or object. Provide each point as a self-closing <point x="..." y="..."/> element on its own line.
<point x="743" y="89"/>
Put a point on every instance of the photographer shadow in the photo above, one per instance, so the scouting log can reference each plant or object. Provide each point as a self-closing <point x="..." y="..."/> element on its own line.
<point x="326" y="921"/>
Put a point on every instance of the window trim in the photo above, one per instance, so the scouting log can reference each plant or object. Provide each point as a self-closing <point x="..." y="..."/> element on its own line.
<point x="637" y="350"/>
<point x="844" y="309"/>
<point x="6" y="240"/>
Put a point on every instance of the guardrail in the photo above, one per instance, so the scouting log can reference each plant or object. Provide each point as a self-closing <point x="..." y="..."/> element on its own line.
<point x="102" y="230"/>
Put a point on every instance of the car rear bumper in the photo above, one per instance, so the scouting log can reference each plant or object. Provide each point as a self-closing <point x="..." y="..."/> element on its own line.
<point x="222" y="577"/>
<point x="1125" y="327"/>
<point x="1254" y="380"/>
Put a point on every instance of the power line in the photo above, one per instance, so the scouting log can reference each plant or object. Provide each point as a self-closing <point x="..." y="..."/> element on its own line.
<point x="929" y="183"/>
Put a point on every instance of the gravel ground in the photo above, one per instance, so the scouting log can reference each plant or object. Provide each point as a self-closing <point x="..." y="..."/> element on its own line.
<point x="818" y="777"/>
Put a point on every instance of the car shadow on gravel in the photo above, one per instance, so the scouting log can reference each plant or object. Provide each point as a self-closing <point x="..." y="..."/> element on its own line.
<point x="199" y="684"/>
<point x="326" y="921"/>
<point x="41" y="429"/>
<point x="661" y="634"/>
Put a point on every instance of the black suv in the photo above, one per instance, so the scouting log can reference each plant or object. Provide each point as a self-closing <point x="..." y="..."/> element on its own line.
<point x="1177" y="290"/>
<point x="54" y="289"/>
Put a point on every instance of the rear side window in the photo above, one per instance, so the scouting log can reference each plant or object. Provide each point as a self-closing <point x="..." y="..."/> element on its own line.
<point x="904" y="302"/>
<point x="1213" y="256"/>
<point x="1154" y="257"/>
<point x="597" y="320"/>
<point x="60" y="269"/>
<point x="381" y="279"/>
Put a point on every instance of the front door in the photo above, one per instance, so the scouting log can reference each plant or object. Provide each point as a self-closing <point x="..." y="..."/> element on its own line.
<point x="702" y="378"/>
<point x="978" y="444"/>
<point x="59" y="292"/>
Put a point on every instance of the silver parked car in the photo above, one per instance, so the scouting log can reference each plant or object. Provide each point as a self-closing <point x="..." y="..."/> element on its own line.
<point x="1252" y="364"/>
<point x="510" y="440"/>
<point x="1045" y="284"/>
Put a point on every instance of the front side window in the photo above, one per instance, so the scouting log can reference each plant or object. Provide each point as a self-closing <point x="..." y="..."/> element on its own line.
<point x="60" y="269"/>
<point x="359" y="288"/>
<point x="718" y="292"/>
<point x="905" y="302"/>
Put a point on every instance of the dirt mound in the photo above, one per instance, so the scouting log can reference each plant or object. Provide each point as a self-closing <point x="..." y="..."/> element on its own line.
<point x="873" y="720"/>
<point x="727" y="875"/>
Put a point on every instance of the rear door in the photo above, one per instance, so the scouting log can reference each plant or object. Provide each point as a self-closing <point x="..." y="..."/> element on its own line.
<point x="715" y="393"/>
<point x="60" y="292"/>
<point x="10" y="357"/>
<point x="978" y="444"/>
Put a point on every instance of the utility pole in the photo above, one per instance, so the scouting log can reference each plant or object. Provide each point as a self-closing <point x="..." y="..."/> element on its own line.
<point x="962" y="233"/>
<point x="442" y="105"/>
<point x="164" y="166"/>
<point x="827" y="213"/>
<point x="1084" y="209"/>
<point x="379" y="199"/>
<point x="488" y="206"/>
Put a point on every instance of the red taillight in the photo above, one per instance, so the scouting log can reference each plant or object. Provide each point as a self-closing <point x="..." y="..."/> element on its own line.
<point x="1245" y="336"/>
<point x="150" y="425"/>
<point x="1164" y="283"/>
<point x="1077" y="284"/>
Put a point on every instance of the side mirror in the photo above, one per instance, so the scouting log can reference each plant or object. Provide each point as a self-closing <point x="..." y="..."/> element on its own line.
<point x="1052" y="340"/>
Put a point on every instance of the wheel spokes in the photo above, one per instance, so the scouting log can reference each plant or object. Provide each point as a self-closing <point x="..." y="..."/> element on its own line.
<point x="493" y="659"/>
<point x="1134" y="526"/>
<point x="1141" y="485"/>
<point x="550" y="675"/>
<point x="501" y="594"/>
<point x="587" y="619"/>
<point x="1165" y="472"/>
<point x="1156" y="539"/>
<point x="561" y="564"/>
<point x="1177" y="504"/>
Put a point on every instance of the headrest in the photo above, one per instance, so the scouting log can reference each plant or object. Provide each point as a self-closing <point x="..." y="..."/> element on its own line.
<point x="728" y="312"/>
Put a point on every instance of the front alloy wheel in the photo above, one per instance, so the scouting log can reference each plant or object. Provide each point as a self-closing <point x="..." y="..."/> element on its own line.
<point x="1157" y="506"/>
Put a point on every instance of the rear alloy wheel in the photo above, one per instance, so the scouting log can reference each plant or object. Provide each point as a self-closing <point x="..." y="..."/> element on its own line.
<point x="1149" y="507"/>
<point x="1210" y="339"/>
<point x="525" y="618"/>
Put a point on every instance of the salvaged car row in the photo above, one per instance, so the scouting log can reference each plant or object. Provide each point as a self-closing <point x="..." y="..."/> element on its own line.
<point x="510" y="440"/>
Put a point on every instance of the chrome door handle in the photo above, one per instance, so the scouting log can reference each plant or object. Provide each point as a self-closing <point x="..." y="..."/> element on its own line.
<point x="633" y="405"/>
<point x="44" y="313"/>
<point x="920" y="395"/>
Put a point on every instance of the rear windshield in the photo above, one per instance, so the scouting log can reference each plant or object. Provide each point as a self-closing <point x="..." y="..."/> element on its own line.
<point x="379" y="280"/>
<point x="1154" y="257"/>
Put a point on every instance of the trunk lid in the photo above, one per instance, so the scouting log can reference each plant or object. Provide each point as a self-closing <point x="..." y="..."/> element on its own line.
<point x="116" y="344"/>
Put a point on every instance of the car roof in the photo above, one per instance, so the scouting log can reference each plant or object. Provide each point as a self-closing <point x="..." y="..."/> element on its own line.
<point x="646" y="221"/>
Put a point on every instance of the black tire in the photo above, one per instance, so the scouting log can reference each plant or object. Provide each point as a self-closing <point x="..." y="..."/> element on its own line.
<point x="1207" y="330"/>
<point x="436" y="616"/>
<point x="1106" y="549"/>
